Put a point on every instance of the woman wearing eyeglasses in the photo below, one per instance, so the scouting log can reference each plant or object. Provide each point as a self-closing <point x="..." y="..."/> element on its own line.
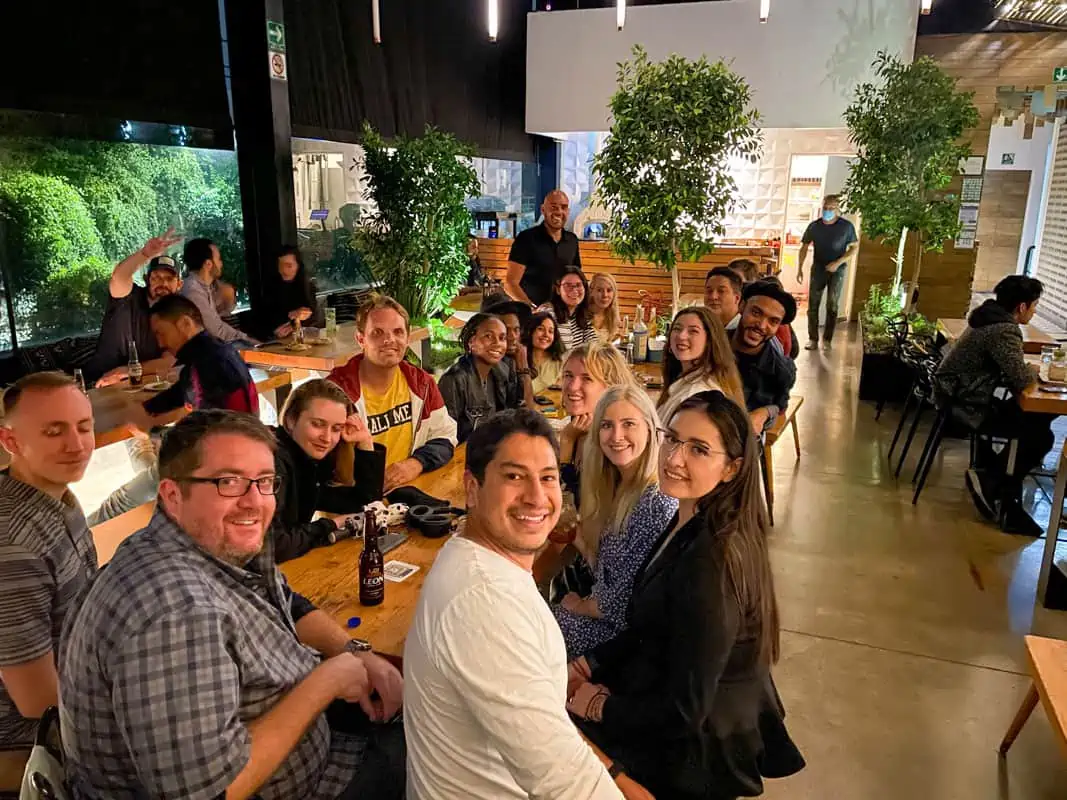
<point x="327" y="461"/>
<point x="623" y="513"/>
<point x="683" y="699"/>
<point x="569" y="306"/>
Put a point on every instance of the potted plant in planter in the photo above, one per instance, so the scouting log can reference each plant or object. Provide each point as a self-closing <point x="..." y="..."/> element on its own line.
<point x="883" y="329"/>
<point x="664" y="170"/>
<point x="906" y="127"/>
<point x="415" y="242"/>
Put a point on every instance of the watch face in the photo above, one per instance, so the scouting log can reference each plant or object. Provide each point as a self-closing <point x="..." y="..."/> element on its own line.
<point x="358" y="646"/>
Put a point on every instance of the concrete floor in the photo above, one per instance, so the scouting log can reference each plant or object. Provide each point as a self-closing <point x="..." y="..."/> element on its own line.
<point x="902" y="644"/>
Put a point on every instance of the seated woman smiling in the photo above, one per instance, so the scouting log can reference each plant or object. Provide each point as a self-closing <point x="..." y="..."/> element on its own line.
<point x="476" y="386"/>
<point x="544" y="350"/>
<point x="683" y="699"/>
<point x="698" y="359"/>
<point x="327" y="462"/>
<point x="623" y="513"/>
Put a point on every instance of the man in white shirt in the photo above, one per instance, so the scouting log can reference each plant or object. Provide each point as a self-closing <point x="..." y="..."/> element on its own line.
<point x="485" y="664"/>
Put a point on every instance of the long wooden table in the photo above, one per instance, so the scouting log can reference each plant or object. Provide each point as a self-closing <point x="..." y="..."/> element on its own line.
<point x="320" y="357"/>
<point x="1033" y="338"/>
<point x="329" y="576"/>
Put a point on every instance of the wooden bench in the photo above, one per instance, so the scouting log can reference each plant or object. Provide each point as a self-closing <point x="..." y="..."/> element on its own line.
<point x="1048" y="664"/>
<point x="632" y="279"/>
<point x="788" y="418"/>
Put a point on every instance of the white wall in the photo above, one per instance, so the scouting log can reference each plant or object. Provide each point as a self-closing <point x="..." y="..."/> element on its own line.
<point x="802" y="65"/>
<point x="1028" y="154"/>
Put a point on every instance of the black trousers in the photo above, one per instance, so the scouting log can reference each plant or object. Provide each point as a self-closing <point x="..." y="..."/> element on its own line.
<point x="1035" y="438"/>
<point x="382" y="774"/>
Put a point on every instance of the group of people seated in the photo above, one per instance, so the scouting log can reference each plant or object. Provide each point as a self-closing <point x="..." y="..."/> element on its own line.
<point x="189" y="668"/>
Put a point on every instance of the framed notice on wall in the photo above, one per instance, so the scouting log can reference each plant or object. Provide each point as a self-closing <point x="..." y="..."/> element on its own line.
<point x="972" y="190"/>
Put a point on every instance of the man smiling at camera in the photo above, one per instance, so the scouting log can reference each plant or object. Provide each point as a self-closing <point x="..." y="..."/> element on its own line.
<point x="182" y="670"/>
<point x="486" y="666"/>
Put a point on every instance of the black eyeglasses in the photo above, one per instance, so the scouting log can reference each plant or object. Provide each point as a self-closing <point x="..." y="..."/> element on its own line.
<point x="233" y="486"/>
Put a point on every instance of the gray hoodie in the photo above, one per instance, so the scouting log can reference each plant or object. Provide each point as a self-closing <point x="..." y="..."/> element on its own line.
<point x="989" y="354"/>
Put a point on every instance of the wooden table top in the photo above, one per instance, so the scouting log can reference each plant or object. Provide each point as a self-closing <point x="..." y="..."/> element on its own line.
<point x="1033" y="338"/>
<point x="1048" y="664"/>
<point x="110" y="534"/>
<point x="329" y="576"/>
<point x="321" y="358"/>
<point x="1035" y="399"/>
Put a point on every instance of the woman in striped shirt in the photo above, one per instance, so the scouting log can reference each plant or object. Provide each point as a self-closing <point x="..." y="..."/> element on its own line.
<point x="569" y="306"/>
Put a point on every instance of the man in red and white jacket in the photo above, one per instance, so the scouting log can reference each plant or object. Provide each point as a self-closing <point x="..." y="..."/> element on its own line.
<point x="400" y="403"/>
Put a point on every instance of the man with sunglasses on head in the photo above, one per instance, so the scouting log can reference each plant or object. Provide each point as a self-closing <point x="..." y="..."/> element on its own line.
<point x="187" y="670"/>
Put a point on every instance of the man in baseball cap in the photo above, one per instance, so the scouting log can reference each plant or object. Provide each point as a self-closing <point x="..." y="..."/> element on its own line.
<point x="766" y="372"/>
<point x="128" y="305"/>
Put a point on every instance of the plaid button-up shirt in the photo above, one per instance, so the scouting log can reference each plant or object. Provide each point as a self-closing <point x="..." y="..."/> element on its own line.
<point x="166" y="658"/>
<point x="46" y="558"/>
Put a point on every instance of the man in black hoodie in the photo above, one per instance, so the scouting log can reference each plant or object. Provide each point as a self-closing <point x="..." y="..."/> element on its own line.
<point x="989" y="355"/>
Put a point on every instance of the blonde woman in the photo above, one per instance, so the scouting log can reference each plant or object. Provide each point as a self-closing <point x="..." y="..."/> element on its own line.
<point x="623" y="513"/>
<point x="588" y="372"/>
<point x="604" y="304"/>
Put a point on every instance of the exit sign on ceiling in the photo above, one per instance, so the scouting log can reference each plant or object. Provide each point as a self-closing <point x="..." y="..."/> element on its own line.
<point x="1059" y="75"/>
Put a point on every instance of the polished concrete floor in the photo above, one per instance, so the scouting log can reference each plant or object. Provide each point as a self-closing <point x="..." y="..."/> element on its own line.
<point x="902" y="644"/>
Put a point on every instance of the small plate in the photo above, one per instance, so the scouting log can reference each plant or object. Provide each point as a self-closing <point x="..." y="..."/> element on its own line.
<point x="157" y="386"/>
<point x="296" y="347"/>
<point x="1054" y="388"/>
<point x="320" y="342"/>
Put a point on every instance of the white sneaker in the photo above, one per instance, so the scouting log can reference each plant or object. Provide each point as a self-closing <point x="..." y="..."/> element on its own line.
<point x="826" y="346"/>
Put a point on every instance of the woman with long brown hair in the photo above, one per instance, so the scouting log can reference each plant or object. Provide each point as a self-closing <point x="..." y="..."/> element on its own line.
<point x="698" y="358"/>
<point x="683" y="699"/>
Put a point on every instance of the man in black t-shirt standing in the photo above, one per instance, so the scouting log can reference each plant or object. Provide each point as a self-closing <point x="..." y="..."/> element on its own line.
<point x="538" y="254"/>
<point x="835" y="240"/>
<point x="126" y="316"/>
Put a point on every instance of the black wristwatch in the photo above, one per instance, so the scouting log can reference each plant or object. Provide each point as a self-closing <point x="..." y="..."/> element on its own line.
<point x="615" y="770"/>
<point x="356" y="646"/>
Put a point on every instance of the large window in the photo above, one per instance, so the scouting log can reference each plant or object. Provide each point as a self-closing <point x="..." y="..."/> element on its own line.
<point x="328" y="184"/>
<point x="70" y="210"/>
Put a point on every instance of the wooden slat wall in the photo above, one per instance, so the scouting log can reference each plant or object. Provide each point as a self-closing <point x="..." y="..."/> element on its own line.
<point x="632" y="278"/>
<point x="944" y="282"/>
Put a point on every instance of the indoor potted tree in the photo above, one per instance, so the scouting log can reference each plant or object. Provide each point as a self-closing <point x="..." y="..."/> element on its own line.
<point x="415" y="240"/>
<point x="664" y="170"/>
<point x="906" y="126"/>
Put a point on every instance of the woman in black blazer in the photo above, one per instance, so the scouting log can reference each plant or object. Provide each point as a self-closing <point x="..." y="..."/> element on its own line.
<point x="683" y="700"/>
<point x="327" y="462"/>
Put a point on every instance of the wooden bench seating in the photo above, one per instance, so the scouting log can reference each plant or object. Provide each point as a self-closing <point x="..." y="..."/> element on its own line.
<point x="1048" y="664"/>
<point x="634" y="278"/>
<point x="787" y="418"/>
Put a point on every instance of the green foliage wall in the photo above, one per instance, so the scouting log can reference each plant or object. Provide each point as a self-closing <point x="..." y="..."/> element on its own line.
<point x="72" y="209"/>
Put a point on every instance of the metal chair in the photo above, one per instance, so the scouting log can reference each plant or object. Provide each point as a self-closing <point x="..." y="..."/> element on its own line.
<point x="920" y="397"/>
<point x="898" y="328"/>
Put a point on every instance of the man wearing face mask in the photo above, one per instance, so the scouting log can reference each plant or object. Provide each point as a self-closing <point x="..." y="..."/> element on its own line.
<point x="835" y="240"/>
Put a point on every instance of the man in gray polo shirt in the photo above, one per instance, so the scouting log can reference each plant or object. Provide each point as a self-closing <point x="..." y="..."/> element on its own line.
<point x="46" y="550"/>
<point x="182" y="670"/>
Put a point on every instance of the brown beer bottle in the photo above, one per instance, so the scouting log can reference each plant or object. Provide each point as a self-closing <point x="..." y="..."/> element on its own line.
<point x="371" y="565"/>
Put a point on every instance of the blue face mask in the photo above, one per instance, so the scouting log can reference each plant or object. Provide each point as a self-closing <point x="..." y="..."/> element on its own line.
<point x="829" y="216"/>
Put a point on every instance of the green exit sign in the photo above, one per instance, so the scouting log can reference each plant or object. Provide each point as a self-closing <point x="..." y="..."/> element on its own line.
<point x="1059" y="74"/>
<point x="276" y="37"/>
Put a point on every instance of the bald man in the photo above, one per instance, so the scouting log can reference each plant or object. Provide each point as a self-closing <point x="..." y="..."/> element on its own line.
<point x="46" y="550"/>
<point x="539" y="254"/>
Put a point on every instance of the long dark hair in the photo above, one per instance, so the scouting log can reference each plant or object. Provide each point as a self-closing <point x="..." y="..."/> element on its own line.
<point x="718" y="361"/>
<point x="581" y="313"/>
<point x="737" y="522"/>
<point x="299" y="289"/>
<point x="555" y="350"/>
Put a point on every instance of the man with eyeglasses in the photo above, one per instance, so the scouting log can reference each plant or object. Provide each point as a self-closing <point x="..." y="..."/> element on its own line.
<point x="187" y="668"/>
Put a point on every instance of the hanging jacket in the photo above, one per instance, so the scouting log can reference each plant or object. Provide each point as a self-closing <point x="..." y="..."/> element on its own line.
<point x="306" y="488"/>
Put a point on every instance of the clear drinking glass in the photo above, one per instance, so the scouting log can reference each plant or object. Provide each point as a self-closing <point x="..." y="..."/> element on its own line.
<point x="1047" y="352"/>
<point x="331" y="322"/>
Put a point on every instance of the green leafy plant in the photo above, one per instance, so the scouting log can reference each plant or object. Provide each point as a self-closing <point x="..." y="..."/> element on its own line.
<point x="444" y="346"/>
<point x="664" y="169"/>
<point x="881" y="306"/>
<point x="415" y="242"/>
<point x="906" y="126"/>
